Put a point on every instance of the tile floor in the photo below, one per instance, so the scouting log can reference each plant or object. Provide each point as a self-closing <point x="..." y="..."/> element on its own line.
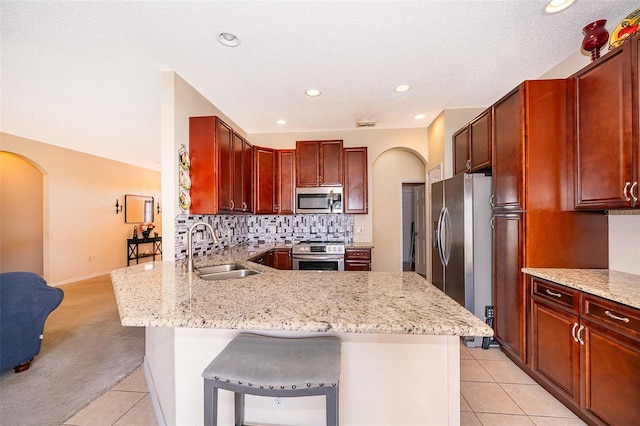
<point x="494" y="391"/>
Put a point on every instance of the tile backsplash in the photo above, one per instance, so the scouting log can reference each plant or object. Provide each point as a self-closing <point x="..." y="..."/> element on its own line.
<point x="238" y="229"/>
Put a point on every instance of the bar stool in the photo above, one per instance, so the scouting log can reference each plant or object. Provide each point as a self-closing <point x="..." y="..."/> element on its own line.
<point x="274" y="367"/>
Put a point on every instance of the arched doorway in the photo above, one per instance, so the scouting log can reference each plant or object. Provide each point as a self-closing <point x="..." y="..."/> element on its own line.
<point x="21" y="215"/>
<point x="391" y="170"/>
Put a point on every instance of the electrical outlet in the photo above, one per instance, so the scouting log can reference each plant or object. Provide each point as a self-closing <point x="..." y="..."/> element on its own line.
<point x="279" y="403"/>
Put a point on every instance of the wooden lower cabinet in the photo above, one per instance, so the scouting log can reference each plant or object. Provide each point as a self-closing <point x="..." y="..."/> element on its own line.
<point x="586" y="351"/>
<point x="282" y="258"/>
<point x="357" y="259"/>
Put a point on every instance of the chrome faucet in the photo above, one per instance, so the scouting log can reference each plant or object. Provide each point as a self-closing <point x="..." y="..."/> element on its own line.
<point x="190" y="243"/>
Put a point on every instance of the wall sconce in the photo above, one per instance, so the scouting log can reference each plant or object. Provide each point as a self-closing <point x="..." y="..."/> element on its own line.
<point x="118" y="206"/>
<point x="159" y="211"/>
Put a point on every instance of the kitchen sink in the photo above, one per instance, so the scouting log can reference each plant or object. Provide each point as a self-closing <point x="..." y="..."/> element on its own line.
<point x="205" y="270"/>
<point x="227" y="275"/>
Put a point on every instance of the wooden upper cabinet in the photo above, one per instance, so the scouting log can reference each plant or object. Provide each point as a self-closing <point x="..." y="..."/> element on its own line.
<point x="247" y="177"/>
<point x="265" y="175"/>
<point x="356" y="184"/>
<point x="480" y="142"/>
<point x="605" y="137"/>
<point x="285" y="187"/>
<point x="461" y="160"/>
<point x="508" y="151"/>
<point x="226" y="176"/>
<point x="319" y="163"/>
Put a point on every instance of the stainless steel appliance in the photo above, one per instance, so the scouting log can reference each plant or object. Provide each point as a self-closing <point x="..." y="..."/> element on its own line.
<point x="462" y="242"/>
<point x="325" y="199"/>
<point x="318" y="256"/>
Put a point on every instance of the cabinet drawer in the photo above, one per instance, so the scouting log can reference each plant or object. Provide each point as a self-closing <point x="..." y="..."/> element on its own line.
<point x="357" y="254"/>
<point x="560" y="296"/>
<point x="617" y="317"/>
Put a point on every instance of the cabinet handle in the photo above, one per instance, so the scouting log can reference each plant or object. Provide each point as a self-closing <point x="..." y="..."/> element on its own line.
<point x="615" y="317"/>
<point x="580" y="330"/>
<point x="231" y="204"/>
<point x="632" y="191"/>
<point x="469" y="165"/>
<point x="491" y="201"/>
<point x="552" y="293"/>
<point x="573" y="332"/>
<point x="244" y="206"/>
<point x="625" y="191"/>
<point x="492" y="222"/>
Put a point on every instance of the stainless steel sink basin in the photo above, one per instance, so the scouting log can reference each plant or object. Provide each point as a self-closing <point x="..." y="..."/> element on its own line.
<point x="226" y="275"/>
<point x="205" y="270"/>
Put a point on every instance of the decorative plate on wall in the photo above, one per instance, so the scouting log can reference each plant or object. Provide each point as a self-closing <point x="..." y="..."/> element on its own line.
<point x="185" y="200"/>
<point x="625" y="29"/>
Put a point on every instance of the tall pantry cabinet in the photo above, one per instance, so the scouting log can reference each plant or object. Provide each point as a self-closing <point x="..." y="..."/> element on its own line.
<point x="533" y="221"/>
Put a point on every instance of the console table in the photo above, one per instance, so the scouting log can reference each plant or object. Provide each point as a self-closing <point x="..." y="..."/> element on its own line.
<point x="133" y="252"/>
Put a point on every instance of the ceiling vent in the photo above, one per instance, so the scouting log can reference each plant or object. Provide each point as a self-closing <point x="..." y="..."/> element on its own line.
<point x="365" y="123"/>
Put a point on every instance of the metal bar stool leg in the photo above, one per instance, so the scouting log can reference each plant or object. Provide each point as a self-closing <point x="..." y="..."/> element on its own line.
<point x="332" y="407"/>
<point x="211" y="404"/>
<point x="239" y="407"/>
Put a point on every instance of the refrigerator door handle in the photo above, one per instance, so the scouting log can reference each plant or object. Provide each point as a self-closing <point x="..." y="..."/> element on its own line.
<point x="446" y="240"/>
<point x="439" y="236"/>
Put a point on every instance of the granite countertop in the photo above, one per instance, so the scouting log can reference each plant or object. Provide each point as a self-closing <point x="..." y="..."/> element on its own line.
<point x="163" y="294"/>
<point x="612" y="285"/>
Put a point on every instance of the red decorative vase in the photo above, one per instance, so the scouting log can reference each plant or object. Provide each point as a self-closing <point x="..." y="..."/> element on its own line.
<point x="595" y="36"/>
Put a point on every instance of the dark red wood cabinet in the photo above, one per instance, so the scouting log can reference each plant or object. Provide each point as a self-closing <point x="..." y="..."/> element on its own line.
<point x="472" y="145"/>
<point x="319" y="163"/>
<point x="604" y="134"/>
<point x="221" y="170"/>
<point x="274" y="180"/>
<point x="586" y="351"/>
<point x="357" y="259"/>
<point x="356" y="185"/>
<point x="533" y="218"/>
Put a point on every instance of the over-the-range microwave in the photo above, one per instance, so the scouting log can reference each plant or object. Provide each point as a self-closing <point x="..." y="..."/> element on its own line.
<point x="324" y="199"/>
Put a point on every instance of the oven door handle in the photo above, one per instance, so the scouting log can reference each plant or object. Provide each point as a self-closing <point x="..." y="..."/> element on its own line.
<point x="316" y="257"/>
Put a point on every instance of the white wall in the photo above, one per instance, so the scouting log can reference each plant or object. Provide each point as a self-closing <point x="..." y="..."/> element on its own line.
<point x="83" y="237"/>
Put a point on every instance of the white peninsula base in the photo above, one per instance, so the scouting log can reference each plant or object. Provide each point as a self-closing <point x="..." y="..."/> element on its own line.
<point x="385" y="379"/>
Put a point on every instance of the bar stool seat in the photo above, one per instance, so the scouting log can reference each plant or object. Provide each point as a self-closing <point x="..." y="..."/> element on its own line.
<point x="273" y="367"/>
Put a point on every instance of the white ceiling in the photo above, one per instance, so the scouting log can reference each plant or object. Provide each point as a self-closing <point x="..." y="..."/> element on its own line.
<point x="86" y="75"/>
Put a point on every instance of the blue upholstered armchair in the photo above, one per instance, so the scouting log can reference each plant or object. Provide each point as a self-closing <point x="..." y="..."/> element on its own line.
<point x="25" y="303"/>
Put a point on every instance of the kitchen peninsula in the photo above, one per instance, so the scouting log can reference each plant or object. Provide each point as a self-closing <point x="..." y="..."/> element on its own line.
<point x="400" y="337"/>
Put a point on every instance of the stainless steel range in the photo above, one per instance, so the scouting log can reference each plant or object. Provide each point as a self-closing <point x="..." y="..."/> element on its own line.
<point x="318" y="256"/>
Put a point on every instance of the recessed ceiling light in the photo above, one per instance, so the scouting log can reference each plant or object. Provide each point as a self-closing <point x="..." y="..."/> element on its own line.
<point x="228" y="39"/>
<point x="312" y="92"/>
<point x="402" y="88"/>
<point x="555" y="6"/>
<point x="281" y="122"/>
<point x="420" y="117"/>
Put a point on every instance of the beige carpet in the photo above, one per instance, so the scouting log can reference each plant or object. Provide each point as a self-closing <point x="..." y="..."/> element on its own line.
<point x="84" y="353"/>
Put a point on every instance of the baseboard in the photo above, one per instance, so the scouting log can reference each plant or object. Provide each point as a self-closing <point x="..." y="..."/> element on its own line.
<point x="76" y="279"/>
<point x="153" y="394"/>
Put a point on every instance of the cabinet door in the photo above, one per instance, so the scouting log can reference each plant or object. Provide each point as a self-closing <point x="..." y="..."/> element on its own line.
<point x="461" y="161"/>
<point x="509" y="284"/>
<point x="204" y="171"/>
<point x="247" y="177"/>
<point x="307" y="164"/>
<point x="225" y="163"/>
<point x="480" y="142"/>
<point x="285" y="191"/>
<point x="237" y="173"/>
<point x="611" y="386"/>
<point x="355" y="181"/>
<point x="508" y="152"/>
<point x="602" y="134"/>
<point x="331" y="167"/>
<point x="282" y="259"/>
<point x="555" y="354"/>
<point x="265" y="174"/>
<point x="355" y="265"/>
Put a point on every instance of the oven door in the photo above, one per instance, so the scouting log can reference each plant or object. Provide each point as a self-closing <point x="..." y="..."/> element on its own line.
<point x="318" y="262"/>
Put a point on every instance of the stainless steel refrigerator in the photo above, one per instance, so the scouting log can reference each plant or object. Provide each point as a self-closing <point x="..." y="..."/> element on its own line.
<point x="462" y="242"/>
